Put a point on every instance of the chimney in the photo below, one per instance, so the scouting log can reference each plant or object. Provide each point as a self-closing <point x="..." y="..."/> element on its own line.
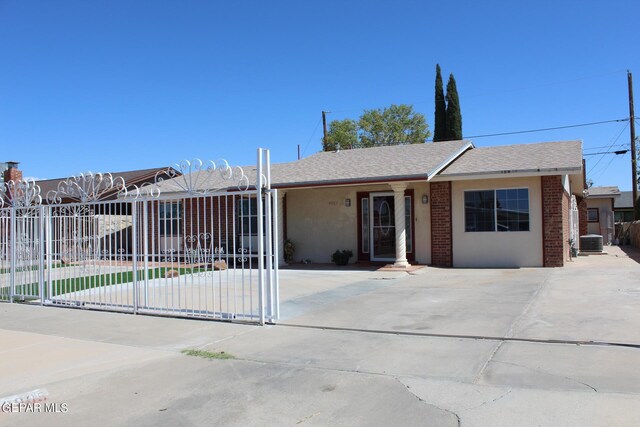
<point x="12" y="173"/>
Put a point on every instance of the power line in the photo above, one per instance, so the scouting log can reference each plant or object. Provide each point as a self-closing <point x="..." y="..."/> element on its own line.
<point x="608" y="152"/>
<point x="547" y="129"/>
<point x="609" y="148"/>
<point x="605" y="169"/>
<point x="625" y="145"/>
<point x="312" y="135"/>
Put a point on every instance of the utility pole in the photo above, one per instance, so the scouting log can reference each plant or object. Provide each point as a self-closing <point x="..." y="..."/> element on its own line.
<point x="324" y="126"/>
<point x="632" y="130"/>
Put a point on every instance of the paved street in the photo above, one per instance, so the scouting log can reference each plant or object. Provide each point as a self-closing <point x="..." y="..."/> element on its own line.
<point x="436" y="347"/>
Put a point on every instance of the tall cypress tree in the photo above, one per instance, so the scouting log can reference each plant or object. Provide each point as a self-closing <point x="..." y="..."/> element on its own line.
<point x="440" y="121"/>
<point x="454" y="117"/>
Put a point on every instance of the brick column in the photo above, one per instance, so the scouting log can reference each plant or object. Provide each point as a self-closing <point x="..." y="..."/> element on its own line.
<point x="400" y="226"/>
<point x="441" y="239"/>
<point x="555" y="221"/>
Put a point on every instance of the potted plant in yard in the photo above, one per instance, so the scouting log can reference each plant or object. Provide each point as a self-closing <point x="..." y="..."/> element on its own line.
<point x="289" y="250"/>
<point x="574" y="250"/>
<point x="341" y="257"/>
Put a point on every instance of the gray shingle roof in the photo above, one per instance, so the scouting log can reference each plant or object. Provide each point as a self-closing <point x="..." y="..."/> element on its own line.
<point x="565" y="156"/>
<point x="624" y="201"/>
<point x="603" y="192"/>
<point x="376" y="164"/>
<point x="368" y="164"/>
<point x="406" y="162"/>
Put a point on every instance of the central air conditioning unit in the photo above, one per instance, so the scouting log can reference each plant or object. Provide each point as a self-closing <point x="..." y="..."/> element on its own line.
<point x="591" y="243"/>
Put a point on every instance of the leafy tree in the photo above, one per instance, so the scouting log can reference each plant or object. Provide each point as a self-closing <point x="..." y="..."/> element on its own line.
<point x="395" y="125"/>
<point x="454" y="117"/>
<point x="342" y="134"/>
<point x="440" y="122"/>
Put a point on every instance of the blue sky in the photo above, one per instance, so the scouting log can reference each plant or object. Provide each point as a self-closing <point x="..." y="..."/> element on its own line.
<point x="120" y="85"/>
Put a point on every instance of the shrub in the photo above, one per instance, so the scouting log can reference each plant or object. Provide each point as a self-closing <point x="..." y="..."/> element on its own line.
<point x="289" y="250"/>
<point x="341" y="257"/>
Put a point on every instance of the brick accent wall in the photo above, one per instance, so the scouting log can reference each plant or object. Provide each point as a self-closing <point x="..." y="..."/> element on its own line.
<point x="208" y="221"/>
<point x="583" y="226"/>
<point x="555" y="222"/>
<point x="441" y="239"/>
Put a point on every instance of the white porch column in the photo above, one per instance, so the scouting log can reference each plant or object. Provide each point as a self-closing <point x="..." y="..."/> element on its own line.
<point x="401" y="234"/>
<point x="280" y="220"/>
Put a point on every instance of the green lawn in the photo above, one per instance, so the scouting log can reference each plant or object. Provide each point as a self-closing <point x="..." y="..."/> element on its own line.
<point x="74" y="284"/>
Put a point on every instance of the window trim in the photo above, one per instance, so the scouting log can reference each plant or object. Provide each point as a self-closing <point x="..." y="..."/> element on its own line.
<point x="495" y="209"/>
<point x="597" y="211"/>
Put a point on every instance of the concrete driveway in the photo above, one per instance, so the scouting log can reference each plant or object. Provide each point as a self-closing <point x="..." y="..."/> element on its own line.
<point x="438" y="347"/>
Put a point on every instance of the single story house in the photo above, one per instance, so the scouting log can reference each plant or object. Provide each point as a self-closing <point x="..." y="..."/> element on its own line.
<point x="447" y="204"/>
<point x="623" y="207"/>
<point x="600" y="202"/>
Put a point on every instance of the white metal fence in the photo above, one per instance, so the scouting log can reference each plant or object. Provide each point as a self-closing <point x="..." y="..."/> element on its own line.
<point x="191" y="243"/>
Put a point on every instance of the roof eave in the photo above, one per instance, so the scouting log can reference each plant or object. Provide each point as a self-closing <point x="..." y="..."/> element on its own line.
<point x="508" y="173"/>
<point x="348" y="182"/>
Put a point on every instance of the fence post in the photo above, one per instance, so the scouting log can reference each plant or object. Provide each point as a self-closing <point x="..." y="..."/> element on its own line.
<point x="12" y="265"/>
<point x="48" y="252"/>
<point x="268" y="236"/>
<point x="259" y="203"/>
<point x="276" y="256"/>
<point x="41" y="235"/>
<point x="145" y="249"/>
<point x="134" y="254"/>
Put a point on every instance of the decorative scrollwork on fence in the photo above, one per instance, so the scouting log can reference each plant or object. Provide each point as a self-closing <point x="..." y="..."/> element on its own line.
<point x="200" y="178"/>
<point x="243" y="257"/>
<point x="22" y="193"/>
<point x="86" y="187"/>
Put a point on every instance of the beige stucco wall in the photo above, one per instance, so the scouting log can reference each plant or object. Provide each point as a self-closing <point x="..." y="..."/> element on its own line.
<point x="497" y="249"/>
<point x="603" y="228"/>
<point x="318" y="222"/>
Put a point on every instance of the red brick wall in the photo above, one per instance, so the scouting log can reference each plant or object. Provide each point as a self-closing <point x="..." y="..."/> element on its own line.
<point x="583" y="226"/>
<point x="555" y="221"/>
<point x="212" y="215"/>
<point x="441" y="240"/>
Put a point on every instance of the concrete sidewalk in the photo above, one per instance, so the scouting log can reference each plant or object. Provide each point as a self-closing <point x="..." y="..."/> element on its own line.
<point x="393" y="357"/>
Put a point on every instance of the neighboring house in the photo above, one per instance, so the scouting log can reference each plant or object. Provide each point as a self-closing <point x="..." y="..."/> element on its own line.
<point x="70" y="189"/>
<point x="600" y="202"/>
<point x="446" y="204"/>
<point x="623" y="207"/>
<point x="106" y="226"/>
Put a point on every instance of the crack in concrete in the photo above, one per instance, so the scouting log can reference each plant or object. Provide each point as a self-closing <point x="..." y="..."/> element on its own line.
<point x="542" y="371"/>
<point x="488" y="401"/>
<point x="512" y="327"/>
<point x="429" y="403"/>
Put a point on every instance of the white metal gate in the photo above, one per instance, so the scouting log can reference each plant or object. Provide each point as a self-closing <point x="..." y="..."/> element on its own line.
<point x="189" y="244"/>
<point x="574" y="226"/>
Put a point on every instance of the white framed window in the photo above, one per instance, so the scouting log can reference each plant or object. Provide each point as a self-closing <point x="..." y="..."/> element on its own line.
<point x="505" y="210"/>
<point x="365" y="225"/>
<point x="169" y="216"/>
<point x="408" y="226"/>
<point x="248" y="216"/>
